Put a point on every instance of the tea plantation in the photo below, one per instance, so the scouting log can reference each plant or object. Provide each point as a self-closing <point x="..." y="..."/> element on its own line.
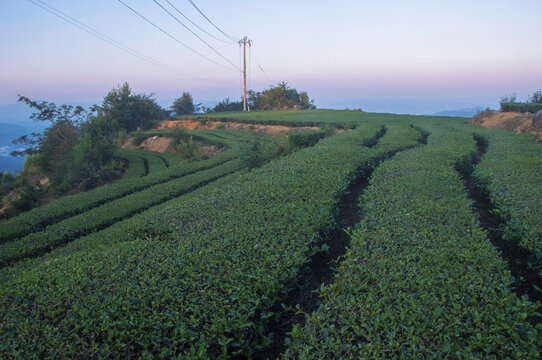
<point x="202" y="259"/>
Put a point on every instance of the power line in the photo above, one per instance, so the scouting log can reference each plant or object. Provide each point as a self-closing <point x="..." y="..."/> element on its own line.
<point x="202" y="30"/>
<point x="107" y="39"/>
<point x="202" y="14"/>
<point x="196" y="35"/>
<point x="224" y="89"/>
<point x="171" y="36"/>
<point x="258" y="63"/>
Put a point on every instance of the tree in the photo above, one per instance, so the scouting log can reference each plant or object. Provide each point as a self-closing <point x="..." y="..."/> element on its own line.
<point x="130" y="111"/>
<point x="96" y="146"/>
<point x="536" y="98"/>
<point x="227" y="105"/>
<point x="280" y="97"/>
<point x="73" y="148"/>
<point x="184" y="105"/>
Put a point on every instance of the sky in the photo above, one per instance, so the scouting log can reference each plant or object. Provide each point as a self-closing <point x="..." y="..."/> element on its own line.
<point x="437" y="55"/>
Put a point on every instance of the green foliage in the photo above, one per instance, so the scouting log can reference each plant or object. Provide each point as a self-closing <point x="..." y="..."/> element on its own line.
<point x="131" y="111"/>
<point x="420" y="280"/>
<point x="210" y="271"/>
<point x="107" y="214"/>
<point x="59" y="209"/>
<point x="521" y="107"/>
<point x="139" y="137"/>
<point x="189" y="149"/>
<point x="536" y="98"/>
<point x="95" y="148"/>
<point x="28" y="198"/>
<point x="510" y="171"/>
<point x="259" y="153"/>
<point x="279" y="97"/>
<point x="73" y="148"/>
<point x="200" y="275"/>
<point x="136" y="166"/>
<point x="184" y="105"/>
<point x="7" y="178"/>
<point x="227" y="105"/>
<point x="299" y="139"/>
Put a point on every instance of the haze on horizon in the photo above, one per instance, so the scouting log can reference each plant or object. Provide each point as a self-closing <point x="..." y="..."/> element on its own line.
<point x="450" y="54"/>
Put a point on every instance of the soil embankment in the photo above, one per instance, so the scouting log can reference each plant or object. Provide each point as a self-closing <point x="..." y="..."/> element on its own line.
<point x="518" y="122"/>
<point x="269" y="130"/>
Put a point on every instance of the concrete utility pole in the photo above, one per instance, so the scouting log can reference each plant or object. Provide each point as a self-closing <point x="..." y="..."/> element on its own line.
<point x="244" y="41"/>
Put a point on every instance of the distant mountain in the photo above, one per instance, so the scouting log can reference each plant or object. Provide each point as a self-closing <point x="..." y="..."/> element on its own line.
<point x="18" y="114"/>
<point x="407" y="106"/>
<point x="467" y="113"/>
<point x="11" y="164"/>
<point x="8" y="133"/>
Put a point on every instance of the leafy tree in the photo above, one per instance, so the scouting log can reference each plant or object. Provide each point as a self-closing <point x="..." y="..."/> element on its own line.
<point x="130" y="111"/>
<point x="536" y="98"/>
<point x="184" y="105"/>
<point x="96" y="146"/>
<point x="227" y="105"/>
<point x="73" y="148"/>
<point x="280" y="97"/>
<point x="8" y="178"/>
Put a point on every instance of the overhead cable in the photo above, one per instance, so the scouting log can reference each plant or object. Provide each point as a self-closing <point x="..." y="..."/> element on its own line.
<point x="107" y="39"/>
<point x="172" y="37"/>
<point x="202" y="14"/>
<point x="196" y="35"/>
<point x="202" y="30"/>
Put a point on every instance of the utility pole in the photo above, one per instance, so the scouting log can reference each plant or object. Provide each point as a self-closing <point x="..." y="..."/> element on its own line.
<point x="244" y="41"/>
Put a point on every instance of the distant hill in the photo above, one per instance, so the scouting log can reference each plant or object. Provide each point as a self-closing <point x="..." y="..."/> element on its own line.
<point x="8" y="133"/>
<point x="467" y="113"/>
<point x="409" y="106"/>
<point x="17" y="114"/>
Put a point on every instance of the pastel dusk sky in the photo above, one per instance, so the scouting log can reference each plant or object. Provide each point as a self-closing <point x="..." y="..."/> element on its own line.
<point x="450" y="52"/>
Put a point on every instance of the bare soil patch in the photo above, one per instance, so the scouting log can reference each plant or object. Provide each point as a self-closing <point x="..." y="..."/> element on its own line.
<point x="269" y="130"/>
<point x="161" y="144"/>
<point x="513" y="121"/>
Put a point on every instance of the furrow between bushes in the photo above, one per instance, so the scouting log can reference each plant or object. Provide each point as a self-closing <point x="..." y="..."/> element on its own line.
<point x="195" y="280"/>
<point x="527" y="279"/>
<point x="303" y="298"/>
<point x="420" y="279"/>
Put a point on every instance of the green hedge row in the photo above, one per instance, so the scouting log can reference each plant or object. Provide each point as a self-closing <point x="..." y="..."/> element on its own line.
<point x="121" y="231"/>
<point x="37" y="218"/>
<point x="102" y="216"/>
<point x="305" y="138"/>
<point x="155" y="163"/>
<point x="136" y="165"/>
<point x="195" y="280"/>
<point x="511" y="171"/>
<point x="420" y="280"/>
<point x="521" y="107"/>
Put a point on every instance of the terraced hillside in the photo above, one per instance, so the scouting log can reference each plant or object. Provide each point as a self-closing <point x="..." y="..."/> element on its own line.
<point x="372" y="243"/>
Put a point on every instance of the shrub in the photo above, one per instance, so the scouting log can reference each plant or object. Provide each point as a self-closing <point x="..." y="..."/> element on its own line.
<point x="521" y="107"/>
<point x="305" y="138"/>
<point x="139" y="137"/>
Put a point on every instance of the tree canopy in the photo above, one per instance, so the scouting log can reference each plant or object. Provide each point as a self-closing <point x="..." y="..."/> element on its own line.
<point x="74" y="148"/>
<point x="280" y="97"/>
<point x="130" y="111"/>
<point x="184" y="105"/>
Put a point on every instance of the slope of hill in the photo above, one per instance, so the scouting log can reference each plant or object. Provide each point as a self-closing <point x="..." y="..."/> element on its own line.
<point x="518" y="122"/>
<point x="364" y="245"/>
